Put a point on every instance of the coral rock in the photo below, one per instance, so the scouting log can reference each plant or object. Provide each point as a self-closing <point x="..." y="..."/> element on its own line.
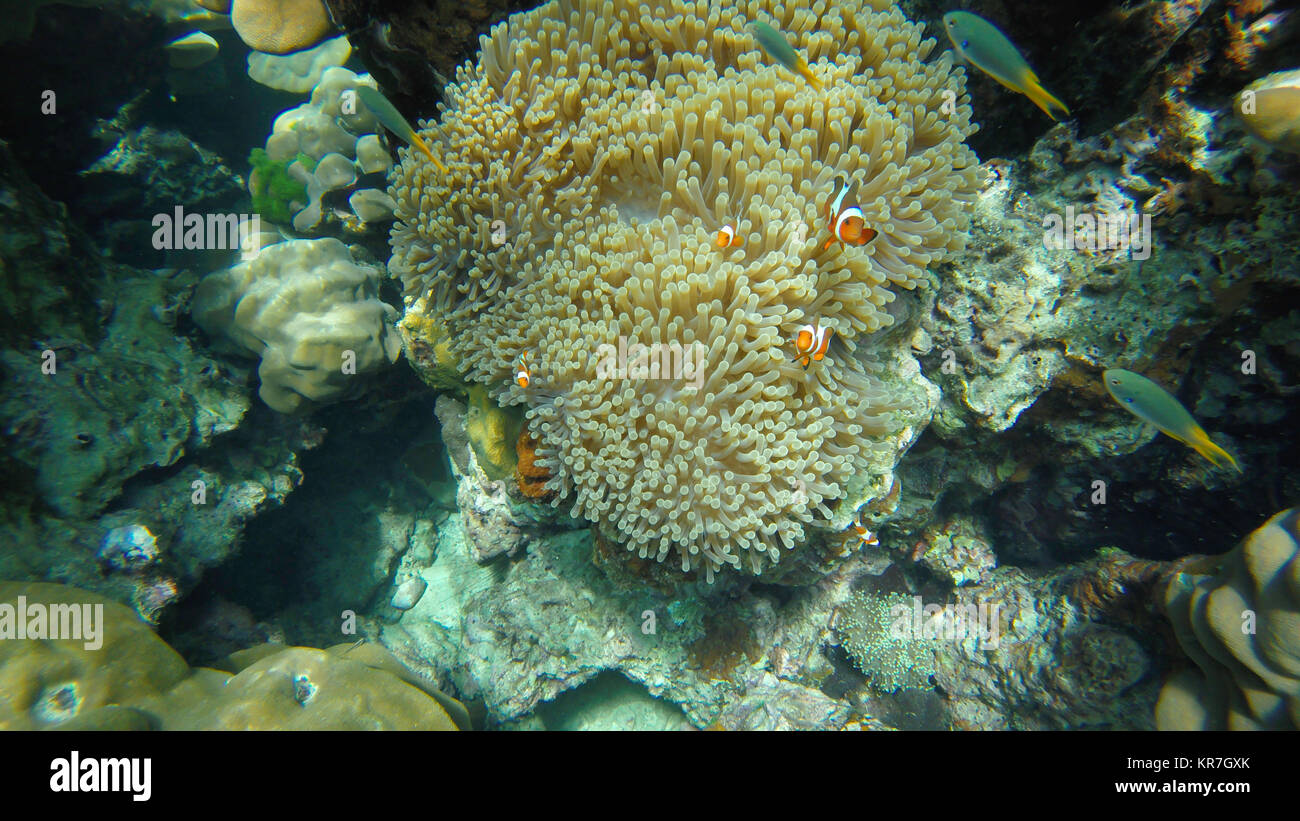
<point x="1241" y="628"/>
<point x="280" y="26"/>
<point x="312" y="314"/>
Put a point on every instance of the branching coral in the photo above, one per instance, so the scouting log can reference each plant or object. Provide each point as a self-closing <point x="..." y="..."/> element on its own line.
<point x="595" y="151"/>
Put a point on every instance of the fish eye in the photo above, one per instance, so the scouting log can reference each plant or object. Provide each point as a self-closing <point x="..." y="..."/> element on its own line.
<point x="1129" y="399"/>
<point x="965" y="43"/>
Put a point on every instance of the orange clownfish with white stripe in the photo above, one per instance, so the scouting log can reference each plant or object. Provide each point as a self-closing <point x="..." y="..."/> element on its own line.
<point x="865" y="536"/>
<point x="846" y="221"/>
<point x="727" y="236"/>
<point x="811" y="342"/>
<point x="524" y="372"/>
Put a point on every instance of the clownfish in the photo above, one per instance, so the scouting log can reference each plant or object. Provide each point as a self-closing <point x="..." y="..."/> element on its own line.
<point x="727" y="236"/>
<point x="846" y="222"/>
<point x="523" y="374"/>
<point x="865" y="536"/>
<point x="811" y="342"/>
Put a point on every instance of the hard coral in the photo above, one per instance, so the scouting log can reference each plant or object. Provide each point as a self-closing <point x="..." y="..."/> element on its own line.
<point x="281" y="26"/>
<point x="116" y="663"/>
<point x="1240" y="627"/>
<point x="595" y="150"/>
<point x="312" y="314"/>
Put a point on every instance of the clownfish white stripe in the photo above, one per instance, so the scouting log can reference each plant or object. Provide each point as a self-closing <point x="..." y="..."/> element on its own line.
<point x="838" y="202"/>
<point x="523" y="374"/>
<point x="811" y="343"/>
<point x="845" y="215"/>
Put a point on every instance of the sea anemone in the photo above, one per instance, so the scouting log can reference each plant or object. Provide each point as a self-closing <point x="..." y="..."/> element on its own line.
<point x="595" y="151"/>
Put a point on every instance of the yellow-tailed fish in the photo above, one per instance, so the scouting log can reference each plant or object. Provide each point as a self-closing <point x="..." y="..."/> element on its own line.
<point x="1151" y="403"/>
<point x="393" y="120"/>
<point x="981" y="44"/>
<point x="778" y="48"/>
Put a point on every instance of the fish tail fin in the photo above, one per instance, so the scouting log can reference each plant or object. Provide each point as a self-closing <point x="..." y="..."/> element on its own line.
<point x="1044" y="99"/>
<point x="1204" y="445"/>
<point x="806" y="71"/>
<point x="418" y="142"/>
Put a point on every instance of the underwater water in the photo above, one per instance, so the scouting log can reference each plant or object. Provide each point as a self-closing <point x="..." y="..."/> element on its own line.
<point x="608" y="365"/>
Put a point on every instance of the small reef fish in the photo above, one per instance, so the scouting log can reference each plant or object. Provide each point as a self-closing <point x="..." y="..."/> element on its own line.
<point x="981" y="44"/>
<point x="393" y="120"/>
<point x="865" y="536"/>
<point x="811" y="342"/>
<point x="727" y="236"/>
<point x="523" y="372"/>
<point x="778" y="48"/>
<point x="845" y="218"/>
<point x="1151" y="403"/>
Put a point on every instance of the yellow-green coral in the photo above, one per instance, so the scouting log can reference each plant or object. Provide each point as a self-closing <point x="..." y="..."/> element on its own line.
<point x="594" y="152"/>
<point x="133" y="680"/>
<point x="492" y="432"/>
<point x="426" y="330"/>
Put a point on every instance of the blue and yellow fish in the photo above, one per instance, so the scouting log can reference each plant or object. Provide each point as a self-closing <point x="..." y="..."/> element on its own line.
<point x="778" y="48"/>
<point x="981" y="44"/>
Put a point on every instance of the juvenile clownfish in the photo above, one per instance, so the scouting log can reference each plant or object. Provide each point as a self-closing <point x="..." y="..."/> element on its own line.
<point x="865" y="536"/>
<point x="811" y="342"/>
<point x="727" y="236"/>
<point x="523" y="374"/>
<point x="845" y="217"/>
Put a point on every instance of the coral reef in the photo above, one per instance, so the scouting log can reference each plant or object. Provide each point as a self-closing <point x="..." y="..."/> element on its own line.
<point x="150" y="171"/>
<point x="1270" y="109"/>
<point x="530" y="476"/>
<point x="112" y="419"/>
<point x="1049" y="668"/>
<point x="310" y="312"/>
<point x="276" y="193"/>
<point x="62" y="682"/>
<point x="299" y="72"/>
<point x="891" y="657"/>
<point x="280" y="26"/>
<point x="633" y="143"/>
<point x="329" y="149"/>
<point x="1240" y="627"/>
<point x="721" y="662"/>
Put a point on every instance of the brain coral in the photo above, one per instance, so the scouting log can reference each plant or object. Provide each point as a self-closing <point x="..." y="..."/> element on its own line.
<point x="594" y="152"/>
